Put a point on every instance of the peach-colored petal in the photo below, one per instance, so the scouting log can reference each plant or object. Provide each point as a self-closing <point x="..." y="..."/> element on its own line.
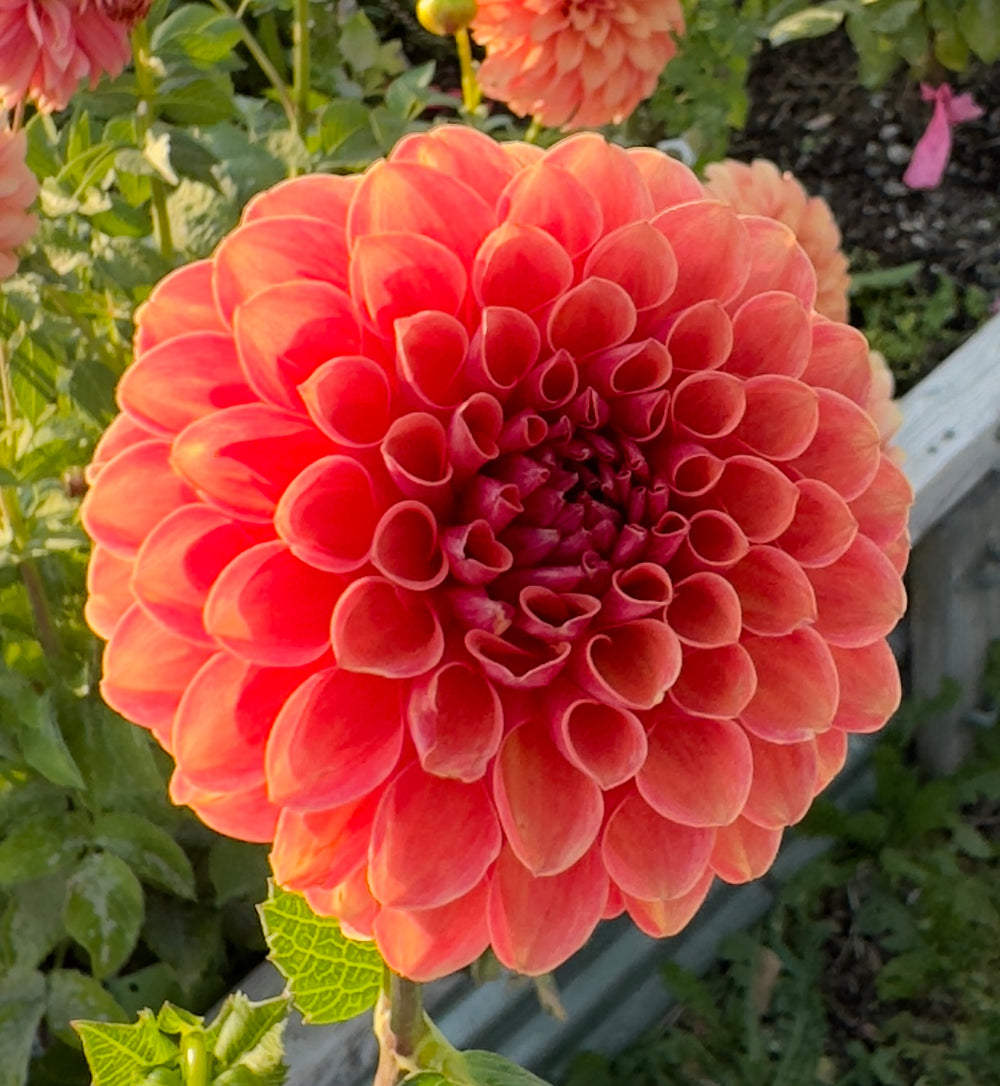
<point x="744" y="851"/>
<point x="179" y="304"/>
<point x="349" y="399"/>
<point x="771" y="335"/>
<point x="775" y="596"/>
<point x="553" y="200"/>
<point x="781" y="417"/>
<point x="631" y="665"/>
<point x="715" y="682"/>
<point x="870" y="689"/>
<point x="109" y="594"/>
<point x="520" y="266"/>
<point x="246" y="814"/>
<point x="777" y="263"/>
<point x="822" y="528"/>
<point x="322" y="848"/>
<point x="667" y="916"/>
<point x="705" y="610"/>
<point x="606" y="742"/>
<point x="696" y="232"/>
<point x="831" y="754"/>
<point x="323" y="196"/>
<point x="845" y="452"/>
<point x="784" y="776"/>
<point x="883" y="509"/>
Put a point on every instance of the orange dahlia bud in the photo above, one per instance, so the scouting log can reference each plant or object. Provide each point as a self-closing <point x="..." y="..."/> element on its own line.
<point x="759" y="189"/>
<point x="575" y="63"/>
<point x="510" y="557"/>
<point x="18" y="188"/>
<point x="446" y="17"/>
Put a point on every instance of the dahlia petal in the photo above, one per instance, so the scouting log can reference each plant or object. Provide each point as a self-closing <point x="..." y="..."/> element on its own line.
<point x="322" y="848"/>
<point x="503" y="350"/>
<point x="632" y="368"/>
<point x="592" y="316"/>
<point x="774" y="593"/>
<point x="665" y="917"/>
<point x="415" y="451"/>
<point x="520" y="267"/>
<point x="642" y="416"/>
<point x="797" y="687"/>
<point x="777" y="262"/>
<point x="707" y="405"/>
<point x="716" y="682"/>
<point x="692" y="469"/>
<point x="606" y="742"/>
<point x="122" y="434"/>
<point x="669" y="181"/>
<point x="549" y="829"/>
<point x="631" y="665"/>
<point x="705" y="610"/>
<point x="131" y="495"/>
<point x="700" y="337"/>
<point x="635" y="592"/>
<point x="474" y="555"/>
<point x="433" y="840"/>
<point x="284" y="249"/>
<point x="838" y="360"/>
<point x="459" y="151"/>
<point x="651" y="857"/>
<point x="397" y="275"/>
<point x="783" y="778"/>
<point x="555" y="616"/>
<point x="240" y="459"/>
<point x="666" y="538"/>
<point x="223" y="721"/>
<point x="456" y="721"/>
<point x="639" y="259"/>
<point x="883" y="509"/>
<point x="406" y="548"/>
<point x="870" y="689"/>
<point x="350" y="902"/>
<point x="898" y="552"/>
<point x="316" y="755"/>
<point x="350" y="400"/>
<point x="831" y="754"/>
<point x="180" y="303"/>
<point x="772" y="334"/>
<point x="426" y="944"/>
<point x="381" y="629"/>
<point x="698" y="232"/>
<point x="743" y="852"/>
<point x="246" y="815"/>
<point x="329" y="513"/>
<point x="697" y="772"/>
<point x="284" y="332"/>
<point x="537" y="922"/>
<point x="511" y="664"/>
<point x="319" y="195"/>
<point x="859" y="598"/>
<point x="180" y="560"/>
<point x="781" y="417"/>
<point x="757" y="496"/>
<point x="108" y="593"/>
<point x="146" y="670"/>
<point x="183" y="379"/>
<point x="713" y="542"/>
<point x="823" y="526"/>
<point x="240" y="611"/>
<point x="552" y="199"/>
<point x="430" y="354"/>
<point x="473" y="431"/>
<point x="846" y="450"/>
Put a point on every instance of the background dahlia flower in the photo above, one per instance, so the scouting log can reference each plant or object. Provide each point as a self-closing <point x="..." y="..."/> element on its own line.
<point x="48" y="46"/>
<point x="760" y="189"/>
<point x="18" y="188"/>
<point x="575" y="63"/>
<point x="503" y="535"/>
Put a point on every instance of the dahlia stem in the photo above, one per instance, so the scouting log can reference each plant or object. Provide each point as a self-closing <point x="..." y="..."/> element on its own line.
<point x="534" y="131"/>
<point x="146" y="84"/>
<point x="300" y="64"/>
<point x="406" y="1014"/>
<point x="471" y="95"/>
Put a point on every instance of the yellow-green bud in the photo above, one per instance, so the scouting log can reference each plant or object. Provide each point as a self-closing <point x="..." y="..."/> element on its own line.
<point x="446" y="17"/>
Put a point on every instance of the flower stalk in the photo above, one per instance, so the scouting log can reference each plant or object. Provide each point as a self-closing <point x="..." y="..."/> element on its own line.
<point x="471" y="94"/>
<point x="300" y="65"/>
<point x="147" y="93"/>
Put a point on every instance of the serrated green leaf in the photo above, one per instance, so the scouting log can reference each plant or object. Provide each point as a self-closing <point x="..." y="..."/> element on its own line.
<point x="120" y="1055"/>
<point x="41" y="846"/>
<point x="489" y="1069"/>
<point x="241" y="1025"/>
<point x="74" y="995"/>
<point x="104" y="909"/>
<point x="22" y="1003"/>
<point x="331" y="977"/>
<point x="148" y="849"/>
<point x="174" y="1019"/>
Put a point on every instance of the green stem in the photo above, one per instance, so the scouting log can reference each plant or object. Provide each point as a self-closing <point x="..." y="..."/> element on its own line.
<point x="146" y="84"/>
<point x="263" y="62"/>
<point x="194" y="1059"/>
<point x="406" y="1014"/>
<point x="534" y="131"/>
<point x="300" y="64"/>
<point x="471" y="95"/>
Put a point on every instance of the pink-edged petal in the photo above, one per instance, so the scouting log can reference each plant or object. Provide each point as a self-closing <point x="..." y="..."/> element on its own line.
<point x="246" y="815"/>
<point x="883" y="509"/>
<point x="180" y="303"/>
<point x="609" y="173"/>
<point x="632" y="665"/>
<point x="321" y="195"/>
<point x="831" y="755"/>
<point x="698" y="771"/>
<point x="757" y="495"/>
<point x="552" y="199"/>
<point x="859" y="598"/>
<point x="502" y="351"/>
<point x="433" y="840"/>
<point x="460" y="151"/>
<point x="555" y="616"/>
<point x="705" y="611"/>
<point x="669" y="181"/>
<point x="473" y="432"/>
<point x="707" y="405"/>
<point x="548" y="828"/>
<point x="715" y="682"/>
<point x="536" y="923"/>
<point x="131" y="495"/>
<point x="474" y="555"/>
<point x="700" y="337"/>
<point x="774" y="593"/>
<point x="698" y="232"/>
<point x="317" y="755"/>
<point x="431" y="349"/>
<point x="838" y="360"/>
<point x="426" y="944"/>
<point x="146" y="671"/>
<point x="784" y="775"/>
<point x="595" y="315"/>
<point x="661" y="918"/>
<point x="691" y="468"/>
<point x="108" y="593"/>
<point x="797" y="687"/>
<point x="183" y="379"/>
<point x="456" y="721"/>
<point x="606" y="742"/>
<point x="649" y="856"/>
<point x="639" y="259"/>
<point x="284" y="332"/>
<point x="870" y="689"/>
<point x="777" y="262"/>
<point x="406" y="548"/>
<point x="382" y="629"/>
<point x="270" y="608"/>
<point x="179" y="562"/>
<point x="521" y="267"/>
<point x="772" y="334"/>
<point x="743" y="852"/>
<point x="284" y="249"/>
<point x="781" y="417"/>
<point x="350" y="902"/>
<point x="121" y="434"/>
<point x="528" y="664"/>
<point x="823" y="526"/>
<point x="415" y="451"/>
<point x="350" y="400"/>
<point x="322" y="848"/>
<point x="846" y="450"/>
<point x="713" y="542"/>
<point x="632" y="368"/>
<point x="636" y="591"/>
<point x="242" y="458"/>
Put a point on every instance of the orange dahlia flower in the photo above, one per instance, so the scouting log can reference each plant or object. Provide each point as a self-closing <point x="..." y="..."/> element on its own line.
<point x="503" y="535"/>
<point x="759" y="189"/>
<point x="575" y="63"/>
<point x="48" y="46"/>
<point x="18" y="188"/>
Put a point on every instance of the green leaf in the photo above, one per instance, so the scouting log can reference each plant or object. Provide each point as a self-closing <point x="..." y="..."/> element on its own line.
<point x="207" y="100"/>
<point x="104" y="909"/>
<point x="22" y="1003"/>
<point x="359" y="44"/>
<point x="147" y="987"/>
<point x="72" y="995"/>
<point x="172" y="1019"/>
<point x="198" y="33"/>
<point x="148" y="849"/>
<point x="189" y="937"/>
<point x="489" y="1069"/>
<point x="121" y="1055"/>
<point x="238" y="869"/>
<point x="39" y="736"/>
<point x="246" y="1039"/>
<point x="885" y="278"/>
<point x="331" y="977"/>
<point x="31" y="921"/>
<point x="811" y="22"/>
<point x="978" y="21"/>
<point x="41" y="846"/>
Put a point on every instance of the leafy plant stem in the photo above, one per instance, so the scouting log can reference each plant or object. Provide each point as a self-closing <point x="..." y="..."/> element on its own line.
<point x="300" y="65"/>
<point x="147" y="92"/>
<point x="263" y="62"/>
<point x="194" y="1059"/>
<point x="471" y="95"/>
<point x="406" y="1014"/>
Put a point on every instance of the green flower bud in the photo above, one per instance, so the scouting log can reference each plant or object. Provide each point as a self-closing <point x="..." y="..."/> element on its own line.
<point x="446" y="17"/>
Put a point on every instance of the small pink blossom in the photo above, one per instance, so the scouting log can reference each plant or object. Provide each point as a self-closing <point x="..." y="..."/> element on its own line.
<point x="930" y="156"/>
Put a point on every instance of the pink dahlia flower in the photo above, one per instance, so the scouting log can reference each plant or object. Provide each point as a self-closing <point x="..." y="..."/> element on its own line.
<point x="503" y="535"/>
<point x="575" y="63"/>
<point x="759" y="189"/>
<point x="18" y="188"/>
<point x="48" y="46"/>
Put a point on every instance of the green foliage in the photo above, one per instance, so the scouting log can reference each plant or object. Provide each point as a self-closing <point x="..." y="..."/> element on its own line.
<point x="331" y="977"/>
